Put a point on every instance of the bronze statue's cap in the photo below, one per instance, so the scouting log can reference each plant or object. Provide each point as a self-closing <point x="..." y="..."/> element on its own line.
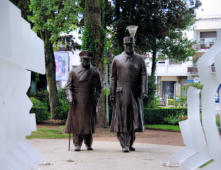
<point x="128" y="40"/>
<point x="86" y="53"/>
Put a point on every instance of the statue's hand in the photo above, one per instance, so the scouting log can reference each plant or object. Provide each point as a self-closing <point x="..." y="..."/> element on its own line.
<point x="70" y="101"/>
<point x="97" y="98"/>
<point x="112" y="100"/>
<point x="144" y="96"/>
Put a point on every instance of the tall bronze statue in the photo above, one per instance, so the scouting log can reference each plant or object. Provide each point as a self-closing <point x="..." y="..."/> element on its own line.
<point x="83" y="89"/>
<point x="128" y="89"/>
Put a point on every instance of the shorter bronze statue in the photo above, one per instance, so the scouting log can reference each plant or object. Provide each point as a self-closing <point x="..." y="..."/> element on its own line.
<point x="83" y="89"/>
<point x="128" y="89"/>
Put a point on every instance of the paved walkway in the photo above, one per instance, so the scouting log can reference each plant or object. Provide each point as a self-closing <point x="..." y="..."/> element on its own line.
<point x="107" y="155"/>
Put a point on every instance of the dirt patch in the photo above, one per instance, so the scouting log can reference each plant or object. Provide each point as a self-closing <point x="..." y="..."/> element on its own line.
<point x="48" y="126"/>
<point x="148" y="136"/>
<point x="52" y="122"/>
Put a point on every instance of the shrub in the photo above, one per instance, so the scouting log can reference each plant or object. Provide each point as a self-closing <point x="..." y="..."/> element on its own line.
<point x="151" y="100"/>
<point x="42" y="95"/>
<point x="61" y="110"/>
<point x="183" y="100"/>
<point x="40" y="109"/>
<point x="159" y="115"/>
<point x="154" y="103"/>
<point x="62" y="94"/>
<point x="174" y="119"/>
<point x="170" y="101"/>
<point x="180" y="101"/>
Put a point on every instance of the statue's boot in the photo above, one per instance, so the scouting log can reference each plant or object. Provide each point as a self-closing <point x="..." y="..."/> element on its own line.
<point x="89" y="148"/>
<point x="77" y="148"/>
<point x="132" y="148"/>
<point x="125" y="149"/>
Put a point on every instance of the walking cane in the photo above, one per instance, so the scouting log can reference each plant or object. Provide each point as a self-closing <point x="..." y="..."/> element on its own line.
<point x="69" y="143"/>
<point x="70" y="125"/>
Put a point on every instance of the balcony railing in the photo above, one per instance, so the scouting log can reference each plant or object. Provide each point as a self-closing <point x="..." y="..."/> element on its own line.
<point x="194" y="70"/>
<point x="202" y="46"/>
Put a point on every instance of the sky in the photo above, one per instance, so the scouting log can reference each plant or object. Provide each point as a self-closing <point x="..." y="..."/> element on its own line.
<point x="209" y="8"/>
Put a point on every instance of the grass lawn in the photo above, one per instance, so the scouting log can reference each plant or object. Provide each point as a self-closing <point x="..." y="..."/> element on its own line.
<point x="47" y="133"/>
<point x="175" y="128"/>
<point x="207" y="163"/>
<point x="56" y="133"/>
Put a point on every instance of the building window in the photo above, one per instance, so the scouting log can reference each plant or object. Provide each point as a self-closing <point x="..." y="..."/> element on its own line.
<point x="168" y="89"/>
<point x="211" y="34"/>
<point x="161" y="62"/>
<point x="207" y="39"/>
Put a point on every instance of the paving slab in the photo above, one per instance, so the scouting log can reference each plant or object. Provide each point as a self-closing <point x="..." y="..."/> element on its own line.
<point x="106" y="155"/>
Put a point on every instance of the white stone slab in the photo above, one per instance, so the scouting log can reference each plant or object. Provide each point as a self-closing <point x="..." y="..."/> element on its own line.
<point x="20" y="50"/>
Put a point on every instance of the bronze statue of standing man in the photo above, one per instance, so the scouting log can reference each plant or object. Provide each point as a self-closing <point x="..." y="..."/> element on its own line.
<point x="128" y="89"/>
<point x="83" y="89"/>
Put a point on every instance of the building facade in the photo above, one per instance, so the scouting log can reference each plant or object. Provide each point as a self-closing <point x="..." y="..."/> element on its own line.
<point x="205" y="35"/>
<point x="172" y="76"/>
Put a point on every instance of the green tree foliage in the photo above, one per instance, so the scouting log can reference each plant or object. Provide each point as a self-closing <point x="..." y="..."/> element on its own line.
<point x="88" y="42"/>
<point x="94" y="33"/>
<point x="195" y="85"/>
<point x="176" y="47"/>
<point x="49" y="19"/>
<point x="54" y="16"/>
<point x="155" y="20"/>
<point x="159" y="26"/>
<point x="67" y="43"/>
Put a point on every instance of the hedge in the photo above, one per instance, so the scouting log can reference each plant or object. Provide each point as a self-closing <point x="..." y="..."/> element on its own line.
<point x="40" y="109"/>
<point x="61" y="110"/>
<point x="158" y="115"/>
<point x="43" y="96"/>
<point x="182" y="101"/>
<point x="151" y="115"/>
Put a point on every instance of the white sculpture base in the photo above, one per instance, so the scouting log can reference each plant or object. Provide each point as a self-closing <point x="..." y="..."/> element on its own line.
<point x="16" y="122"/>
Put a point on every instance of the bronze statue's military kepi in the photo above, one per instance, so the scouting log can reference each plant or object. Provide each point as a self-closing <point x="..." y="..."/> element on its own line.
<point x="128" y="40"/>
<point x="86" y="53"/>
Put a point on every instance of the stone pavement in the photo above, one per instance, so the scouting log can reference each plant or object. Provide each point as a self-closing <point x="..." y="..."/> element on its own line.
<point x="107" y="155"/>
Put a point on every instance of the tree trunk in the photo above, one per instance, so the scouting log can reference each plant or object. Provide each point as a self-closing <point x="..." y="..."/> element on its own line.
<point x="153" y="69"/>
<point x="92" y="16"/>
<point x="120" y="32"/>
<point x="50" y="72"/>
<point x="49" y="56"/>
<point x="150" y="103"/>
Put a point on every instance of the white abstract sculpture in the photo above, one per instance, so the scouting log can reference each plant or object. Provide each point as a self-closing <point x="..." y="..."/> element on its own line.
<point x="210" y="83"/>
<point x="193" y="137"/>
<point x="21" y="50"/>
<point x="202" y="144"/>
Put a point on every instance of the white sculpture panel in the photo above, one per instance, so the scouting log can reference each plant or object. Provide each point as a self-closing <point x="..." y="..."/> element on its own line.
<point x="17" y="36"/>
<point x="195" y="153"/>
<point x="202" y="144"/>
<point x="211" y="82"/>
<point x="20" y="49"/>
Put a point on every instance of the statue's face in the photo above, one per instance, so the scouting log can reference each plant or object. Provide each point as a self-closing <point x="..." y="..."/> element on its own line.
<point x="85" y="60"/>
<point x="129" y="48"/>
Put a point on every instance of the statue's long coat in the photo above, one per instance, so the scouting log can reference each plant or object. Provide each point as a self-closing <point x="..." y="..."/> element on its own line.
<point x="128" y="83"/>
<point x="84" y="88"/>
